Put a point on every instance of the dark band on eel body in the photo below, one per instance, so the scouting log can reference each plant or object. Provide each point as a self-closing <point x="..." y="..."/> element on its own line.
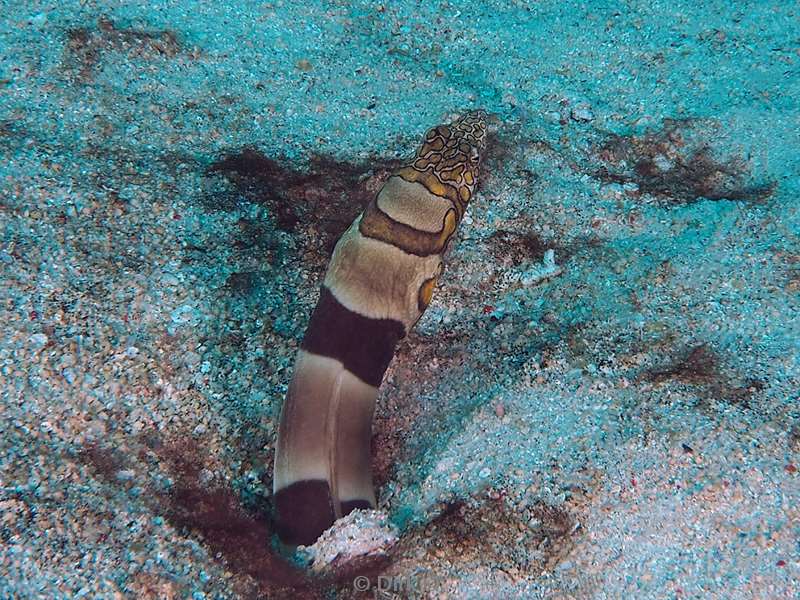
<point x="380" y="280"/>
<point x="364" y="346"/>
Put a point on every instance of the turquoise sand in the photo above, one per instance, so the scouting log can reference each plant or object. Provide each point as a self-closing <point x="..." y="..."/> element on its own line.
<point x="600" y="402"/>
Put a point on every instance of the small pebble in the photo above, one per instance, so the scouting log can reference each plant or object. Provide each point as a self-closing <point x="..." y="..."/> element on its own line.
<point x="182" y="314"/>
<point x="69" y="375"/>
<point x="663" y="163"/>
<point x="124" y="475"/>
<point x="38" y="340"/>
<point x="552" y="116"/>
<point x="359" y="535"/>
<point x="204" y="477"/>
<point x="39" y="19"/>
<point x="582" y="113"/>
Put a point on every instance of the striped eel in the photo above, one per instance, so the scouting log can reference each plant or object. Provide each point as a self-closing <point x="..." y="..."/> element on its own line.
<point x="379" y="282"/>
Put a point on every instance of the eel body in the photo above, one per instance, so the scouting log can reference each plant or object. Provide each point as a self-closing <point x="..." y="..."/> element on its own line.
<point x="379" y="282"/>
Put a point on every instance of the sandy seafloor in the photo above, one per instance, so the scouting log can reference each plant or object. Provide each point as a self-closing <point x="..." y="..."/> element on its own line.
<point x="173" y="176"/>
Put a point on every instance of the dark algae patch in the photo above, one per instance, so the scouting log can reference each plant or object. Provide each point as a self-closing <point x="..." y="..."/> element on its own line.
<point x="701" y="367"/>
<point x="240" y="538"/>
<point x="698" y="366"/>
<point x="105" y="461"/>
<point x="515" y="247"/>
<point x="244" y="282"/>
<point x="669" y="163"/>
<point x="320" y="201"/>
<point x="213" y="511"/>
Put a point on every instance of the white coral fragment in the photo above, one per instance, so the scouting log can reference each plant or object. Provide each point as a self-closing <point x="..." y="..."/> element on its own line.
<point x="538" y="272"/>
<point x="361" y="534"/>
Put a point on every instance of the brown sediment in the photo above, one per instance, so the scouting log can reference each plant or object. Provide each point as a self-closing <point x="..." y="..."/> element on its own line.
<point x="517" y="247"/>
<point x="487" y="533"/>
<point x="239" y="537"/>
<point x="85" y="47"/>
<point x="243" y="282"/>
<point x="105" y="461"/>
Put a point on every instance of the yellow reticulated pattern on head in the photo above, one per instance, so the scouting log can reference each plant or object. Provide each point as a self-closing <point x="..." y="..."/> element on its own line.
<point x="447" y="162"/>
<point x="446" y="169"/>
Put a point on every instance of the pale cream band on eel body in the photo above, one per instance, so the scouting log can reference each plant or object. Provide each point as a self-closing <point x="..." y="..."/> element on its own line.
<point x="379" y="282"/>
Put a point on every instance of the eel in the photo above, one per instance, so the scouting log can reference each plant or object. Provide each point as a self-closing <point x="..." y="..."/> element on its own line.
<point x="379" y="281"/>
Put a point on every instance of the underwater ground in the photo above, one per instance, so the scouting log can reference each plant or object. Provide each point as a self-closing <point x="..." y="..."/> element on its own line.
<point x="173" y="176"/>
